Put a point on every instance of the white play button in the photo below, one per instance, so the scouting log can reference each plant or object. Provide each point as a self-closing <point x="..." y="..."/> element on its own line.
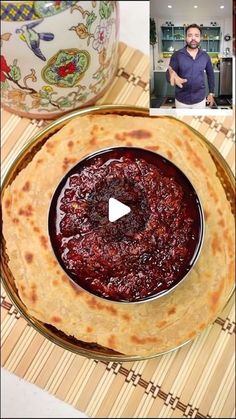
<point x="117" y="210"/>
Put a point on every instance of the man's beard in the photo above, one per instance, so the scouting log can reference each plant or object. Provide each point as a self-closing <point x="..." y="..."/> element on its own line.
<point x="193" y="45"/>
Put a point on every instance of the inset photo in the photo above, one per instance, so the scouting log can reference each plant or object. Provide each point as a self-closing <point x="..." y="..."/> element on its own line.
<point x="191" y="57"/>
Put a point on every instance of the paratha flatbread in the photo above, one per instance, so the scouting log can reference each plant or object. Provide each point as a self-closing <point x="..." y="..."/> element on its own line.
<point x="50" y="296"/>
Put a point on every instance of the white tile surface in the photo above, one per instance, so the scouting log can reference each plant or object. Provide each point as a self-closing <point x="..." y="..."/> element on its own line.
<point x="21" y="399"/>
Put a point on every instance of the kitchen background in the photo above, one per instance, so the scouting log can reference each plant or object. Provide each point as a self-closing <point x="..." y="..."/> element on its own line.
<point x="168" y="20"/>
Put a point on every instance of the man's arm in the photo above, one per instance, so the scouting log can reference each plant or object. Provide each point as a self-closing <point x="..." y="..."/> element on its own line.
<point x="173" y="65"/>
<point x="172" y="73"/>
<point x="210" y="76"/>
<point x="211" y="82"/>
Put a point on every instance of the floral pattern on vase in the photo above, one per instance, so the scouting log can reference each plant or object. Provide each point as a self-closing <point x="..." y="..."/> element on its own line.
<point x="19" y="91"/>
<point x="70" y="71"/>
<point x="102" y="35"/>
<point x="66" y="68"/>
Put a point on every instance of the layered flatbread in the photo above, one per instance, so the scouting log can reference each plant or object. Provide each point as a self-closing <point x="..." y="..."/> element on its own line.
<point x="48" y="293"/>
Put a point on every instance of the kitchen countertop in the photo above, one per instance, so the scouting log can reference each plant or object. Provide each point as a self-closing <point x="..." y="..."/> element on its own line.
<point x="21" y="399"/>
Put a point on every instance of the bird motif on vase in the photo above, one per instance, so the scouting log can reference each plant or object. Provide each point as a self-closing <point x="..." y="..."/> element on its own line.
<point x="32" y="38"/>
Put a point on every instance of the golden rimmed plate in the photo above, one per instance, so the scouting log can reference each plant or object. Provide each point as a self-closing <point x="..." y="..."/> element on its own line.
<point x="22" y="159"/>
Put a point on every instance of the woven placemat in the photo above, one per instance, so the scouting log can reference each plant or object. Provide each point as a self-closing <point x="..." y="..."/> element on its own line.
<point x="194" y="381"/>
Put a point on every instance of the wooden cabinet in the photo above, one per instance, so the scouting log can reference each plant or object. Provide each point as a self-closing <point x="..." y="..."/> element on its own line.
<point x="161" y="87"/>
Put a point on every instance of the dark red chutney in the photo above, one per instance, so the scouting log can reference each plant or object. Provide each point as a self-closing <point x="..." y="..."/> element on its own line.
<point x="141" y="255"/>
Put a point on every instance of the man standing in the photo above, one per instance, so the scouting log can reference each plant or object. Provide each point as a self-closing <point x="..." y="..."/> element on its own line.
<point x="186" y="72"/>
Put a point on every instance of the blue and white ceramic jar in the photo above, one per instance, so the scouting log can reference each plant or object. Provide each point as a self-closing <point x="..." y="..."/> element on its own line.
<point x="56" y="56"/>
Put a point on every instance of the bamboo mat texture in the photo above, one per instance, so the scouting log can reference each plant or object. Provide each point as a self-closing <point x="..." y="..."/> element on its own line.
<point x="197" y="380"/>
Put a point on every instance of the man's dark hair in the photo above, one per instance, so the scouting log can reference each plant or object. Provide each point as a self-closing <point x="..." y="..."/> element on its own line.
<point x="193" y="25"/>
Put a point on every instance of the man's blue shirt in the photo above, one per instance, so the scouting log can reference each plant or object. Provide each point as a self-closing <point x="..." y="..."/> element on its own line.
<point x="194" y="90"/>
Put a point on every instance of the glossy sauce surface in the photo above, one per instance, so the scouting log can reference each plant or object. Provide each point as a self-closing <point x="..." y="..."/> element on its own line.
<point x="144" y="253"/>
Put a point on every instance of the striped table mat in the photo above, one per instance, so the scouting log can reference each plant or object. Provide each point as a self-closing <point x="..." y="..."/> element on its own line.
<point x="194" y="381"/>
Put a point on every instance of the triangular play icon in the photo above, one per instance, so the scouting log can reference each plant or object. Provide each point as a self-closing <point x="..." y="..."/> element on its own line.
<point x="117" y="210"/>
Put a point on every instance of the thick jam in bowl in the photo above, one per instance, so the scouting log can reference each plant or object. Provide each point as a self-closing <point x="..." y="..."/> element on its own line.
<point x="143" y="254"/>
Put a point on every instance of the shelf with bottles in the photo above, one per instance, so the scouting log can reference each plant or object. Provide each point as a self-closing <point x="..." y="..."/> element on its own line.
<point x="173" y="33"/>
<point x="211" y="37"/>
<point x="210" y="46"/>
<point x="171" y="46"/>
<point x="173" y="38"/>
<point x="211" y="33"/>
<point x="178" y="33"/>
<point x="167" y="33"/>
